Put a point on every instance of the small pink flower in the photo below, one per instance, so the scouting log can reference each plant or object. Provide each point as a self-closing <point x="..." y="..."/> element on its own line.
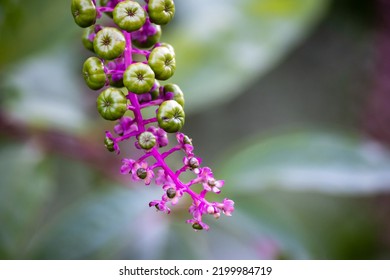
<point x="160" y="206"/>
<point x="228" y="207"/>
<point x="185" y="143"/>
<point x="127" y="165"/>
<point x="141" y="171"/>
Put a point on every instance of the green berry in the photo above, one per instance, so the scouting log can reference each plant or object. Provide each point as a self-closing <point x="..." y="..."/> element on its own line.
<point x="88" y="44"/>
<point x="197" y="226"/>
<point x="155" y="94"/>
<point x="163" y="63"/>
<point x="93" y="72"/>
<point x="142" y="173"/>
<point x="170" y="116"/>
<point x="171" y="193"/>
<point x="111" y="104"/>
<point x="138" y="78"/>
<point x="146" y="42"/>
<point x="161" y="11"/>
<point x="104" y="3"/>
<point x="173" y="91"/>
<point x="109" y="43"/>
<point x="109" y="144"/>
<point x="146" y="140"/>
<point x="129" y="15"/>
<point x="84" y="12"/>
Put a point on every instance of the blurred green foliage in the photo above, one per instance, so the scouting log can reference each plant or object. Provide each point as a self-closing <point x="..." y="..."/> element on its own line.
<point x="300" y="193"/>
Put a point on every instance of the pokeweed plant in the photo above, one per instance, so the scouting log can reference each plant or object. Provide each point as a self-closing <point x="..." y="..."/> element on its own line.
<point x="131" y="85"/>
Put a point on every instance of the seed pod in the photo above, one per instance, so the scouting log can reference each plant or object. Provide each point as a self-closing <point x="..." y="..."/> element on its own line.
<point x="170" y="116"/>
<point x="161" y="11"/>
<point x="93" y="73"/>
<point x="163" y="63"/>
<point x="109" y="43"/>
<point x="146" y="39"/>
<point x="138" y="78"/>
<point x="129" y="15"/>
<point x="84" y="12"/>
<point x="111" y="104"/>
<point x="146" y="140"/>
<point x="173" y="91"/>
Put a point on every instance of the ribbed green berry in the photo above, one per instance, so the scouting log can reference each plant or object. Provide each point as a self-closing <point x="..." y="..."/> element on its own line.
<point x="155" y="94"/>
<point x="146" y="42"/>
<point x="170" y="47"/>
<point x="173" y="91"/>
<point x="93" y="73"/>
<point x="111" y="104"/>
<point x="163" y="63"/>
<point x="161" y="11"/>
<point x="146" y="140"/>
<point x="138" y="78"/>
<point x="170" y="116"/>
<point x="84" y="12"/>
<point x="88" y="44"/>
<point x="129" y="15"/>
<point x="109" y="43"/>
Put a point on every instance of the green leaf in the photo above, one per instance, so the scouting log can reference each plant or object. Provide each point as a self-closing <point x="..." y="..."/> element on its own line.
<point x="25" y="189"/>
<point x="31" y="26"/>
<point x="222" y="46"/>
<point x="311" y="194"/>
<point x="331" y="163"/>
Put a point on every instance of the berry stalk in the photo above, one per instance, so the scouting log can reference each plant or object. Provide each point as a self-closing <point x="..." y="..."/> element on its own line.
<point x="131" y="86"/>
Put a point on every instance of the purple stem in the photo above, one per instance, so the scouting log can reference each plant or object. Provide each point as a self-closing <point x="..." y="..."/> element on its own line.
<point x="141" y="52"/>
<point x="152" y="103"/>
<point x="174" y="149"/>
<point x="152" y="120"/>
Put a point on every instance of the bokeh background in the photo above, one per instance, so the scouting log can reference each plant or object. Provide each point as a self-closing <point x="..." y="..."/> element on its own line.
<point x="287" y="100"/>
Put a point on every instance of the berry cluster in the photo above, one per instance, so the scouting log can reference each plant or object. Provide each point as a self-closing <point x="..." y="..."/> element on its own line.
<point x="131" y="85"/>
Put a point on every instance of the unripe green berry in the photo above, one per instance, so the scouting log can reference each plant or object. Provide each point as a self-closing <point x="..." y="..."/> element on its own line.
<point x="129" y="15"/>
<point x="93" y="73"/>
<point x="109" y="144"/>
<point x="84" y="12"/>
<point x="155" y="94"/>
<point x="163" y="63"/>
<point x="146" y="140"/>
<point x="193" y="163"/>
<point x="170" y="116"/>
<point x="161" y="11"/>
<point x="174" y="92"/>
<point x="149" y="41"/>
<point x="142" y="173"/>
<point x="111" y="104"/>
<point x="88" y="44"/>
<point x="139" y="78"/>
<point x="197" y="226"/>
<point x="171" y="193"/>
<point x="109" y="43"/>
